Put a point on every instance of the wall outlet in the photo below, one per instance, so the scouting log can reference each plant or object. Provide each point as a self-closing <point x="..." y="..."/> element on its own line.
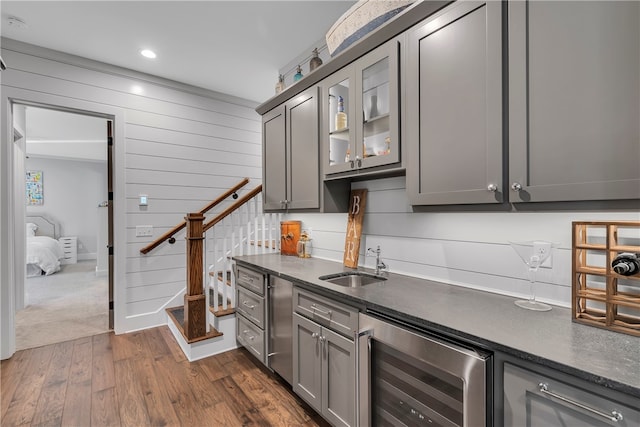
<point x="542" y="249"/>
<point x="144" y="230"/>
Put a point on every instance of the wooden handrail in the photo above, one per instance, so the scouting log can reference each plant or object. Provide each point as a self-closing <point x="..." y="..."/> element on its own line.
<point x="225" y="213"/>
<point x="204" y="210"/>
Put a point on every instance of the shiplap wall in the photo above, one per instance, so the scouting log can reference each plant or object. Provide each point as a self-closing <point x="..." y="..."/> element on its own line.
<point x="183" y="147"/>
<point x="462" y="248"/>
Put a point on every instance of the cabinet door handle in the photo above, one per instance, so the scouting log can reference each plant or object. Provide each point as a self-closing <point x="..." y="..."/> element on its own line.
<point x="316" y="309"/>
<point x="492" y="187"/>
<point x="315" y="335"/>
<point x="246" y="304"/>
<point x="246" y="334"/>
<point x="516" y="186"/>
<point x="614" y="416"/>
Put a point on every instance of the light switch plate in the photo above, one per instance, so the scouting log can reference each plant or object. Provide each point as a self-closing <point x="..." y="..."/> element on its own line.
<point x="144" y="230"/>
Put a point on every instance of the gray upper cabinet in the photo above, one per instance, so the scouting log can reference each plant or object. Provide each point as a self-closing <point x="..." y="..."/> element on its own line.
<point x="454" y="107"/>
<point x="291" y="172"/>
<point x="574" y="100"/>
<point x="365" y="93"/>
<point x="274" y="172"/>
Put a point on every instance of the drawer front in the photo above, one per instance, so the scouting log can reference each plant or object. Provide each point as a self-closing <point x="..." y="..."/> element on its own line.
<point x="250" y="279"/>
<point x="70" y="249"/>
<point x="251" y="337"/>
<point x="339" y="317"/>
<point x="536" y="400"/>
<point x="250" y="306"/>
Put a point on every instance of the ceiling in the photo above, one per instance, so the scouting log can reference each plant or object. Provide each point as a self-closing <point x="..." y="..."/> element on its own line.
<point x="232" y="47"/>
<point x="62" y="135"/>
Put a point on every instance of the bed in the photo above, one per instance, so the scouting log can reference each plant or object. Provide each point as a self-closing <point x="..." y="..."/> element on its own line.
<point x="43" y="249"/>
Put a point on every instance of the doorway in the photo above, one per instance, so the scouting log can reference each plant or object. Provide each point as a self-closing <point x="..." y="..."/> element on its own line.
<point x="63" y="178"/>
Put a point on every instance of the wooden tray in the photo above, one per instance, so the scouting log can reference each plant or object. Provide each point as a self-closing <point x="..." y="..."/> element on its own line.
<point x="600" y="297"/>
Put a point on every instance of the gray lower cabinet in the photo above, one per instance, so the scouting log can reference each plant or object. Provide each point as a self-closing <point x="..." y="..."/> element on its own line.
<point x="454" y="106"/>
<point x="251" y="312"/>
<point x="574" y="100"/>
<point x="291" y="170"/>
<point x="324" y="356"/>
<point x="537" y="400"/>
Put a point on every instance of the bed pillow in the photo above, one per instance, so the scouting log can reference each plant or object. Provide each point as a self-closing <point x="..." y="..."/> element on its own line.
<point x="31" y="229"/>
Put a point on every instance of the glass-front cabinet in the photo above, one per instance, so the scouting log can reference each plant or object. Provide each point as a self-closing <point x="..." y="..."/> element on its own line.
<point x="360" y="117"/>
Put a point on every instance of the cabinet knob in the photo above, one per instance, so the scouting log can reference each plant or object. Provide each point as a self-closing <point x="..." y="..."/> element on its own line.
<point x="516" y="186"/>
<point x="492" y="187"/>
<point x="315" y="335"/>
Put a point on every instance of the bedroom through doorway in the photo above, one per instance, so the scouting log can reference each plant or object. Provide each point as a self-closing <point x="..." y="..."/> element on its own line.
<point x="66" y="188"/>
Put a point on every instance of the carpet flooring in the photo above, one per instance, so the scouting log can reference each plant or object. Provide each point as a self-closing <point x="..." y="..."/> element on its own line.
<point x="69" y="304"/>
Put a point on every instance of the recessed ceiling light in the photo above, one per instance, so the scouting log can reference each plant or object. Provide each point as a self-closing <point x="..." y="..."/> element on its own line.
<point x="148" y="53"/>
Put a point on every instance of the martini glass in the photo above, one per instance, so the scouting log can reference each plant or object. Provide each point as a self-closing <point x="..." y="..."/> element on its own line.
<point x="533" y="259"/>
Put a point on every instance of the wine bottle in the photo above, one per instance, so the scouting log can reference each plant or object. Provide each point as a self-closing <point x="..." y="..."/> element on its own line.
<point x="341" y="116"/>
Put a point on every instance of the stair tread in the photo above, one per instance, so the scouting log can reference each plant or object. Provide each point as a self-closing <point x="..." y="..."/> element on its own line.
<point x="222" y="312"/>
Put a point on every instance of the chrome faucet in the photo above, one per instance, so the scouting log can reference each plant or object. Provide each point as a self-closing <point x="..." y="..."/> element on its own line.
<point x="380" y="265"/>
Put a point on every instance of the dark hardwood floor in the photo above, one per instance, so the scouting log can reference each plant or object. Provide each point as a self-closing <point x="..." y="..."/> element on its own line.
<point x="143" y="379"/>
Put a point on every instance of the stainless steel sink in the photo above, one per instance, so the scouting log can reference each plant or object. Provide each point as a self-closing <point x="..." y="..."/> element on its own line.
<point x="352" y="279"/>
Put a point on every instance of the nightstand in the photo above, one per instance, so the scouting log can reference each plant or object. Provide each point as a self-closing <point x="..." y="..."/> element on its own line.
<point x="70" y="248"/>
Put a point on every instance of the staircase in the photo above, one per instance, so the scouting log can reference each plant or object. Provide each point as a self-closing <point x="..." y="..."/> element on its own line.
<point x="205" y="325"/>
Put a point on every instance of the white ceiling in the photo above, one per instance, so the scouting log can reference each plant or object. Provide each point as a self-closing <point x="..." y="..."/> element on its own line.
<point x="233" y="47"/>
<point x="64" y="135"/>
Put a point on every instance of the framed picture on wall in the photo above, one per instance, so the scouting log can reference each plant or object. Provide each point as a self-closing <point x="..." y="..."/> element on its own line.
<point x="35" y="195"/>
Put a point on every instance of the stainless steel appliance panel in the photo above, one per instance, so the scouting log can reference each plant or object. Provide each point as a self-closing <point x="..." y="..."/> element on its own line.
<point x="281" y="327"/>
<point x="410" y="378"/>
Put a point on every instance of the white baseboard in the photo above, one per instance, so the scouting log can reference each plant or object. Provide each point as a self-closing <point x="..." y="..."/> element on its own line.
<point x="87" y="256"/>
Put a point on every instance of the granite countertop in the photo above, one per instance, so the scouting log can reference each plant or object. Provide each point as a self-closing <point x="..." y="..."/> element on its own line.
<point x="488" y="320"/>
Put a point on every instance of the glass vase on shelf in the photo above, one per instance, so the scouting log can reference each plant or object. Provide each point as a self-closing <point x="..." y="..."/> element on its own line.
<point x="533" y="254"/>
<point x="298" y="74"/>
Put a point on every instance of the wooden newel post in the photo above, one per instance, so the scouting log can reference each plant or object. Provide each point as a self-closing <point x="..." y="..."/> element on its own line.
<point x="195" y="310"/>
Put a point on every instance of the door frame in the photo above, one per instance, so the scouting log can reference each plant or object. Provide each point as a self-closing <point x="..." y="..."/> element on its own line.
<point x="12" y="234"/>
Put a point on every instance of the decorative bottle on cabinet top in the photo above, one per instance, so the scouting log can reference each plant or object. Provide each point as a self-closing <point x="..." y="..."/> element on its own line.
<point x="315" y="61"/>
<point x="298" y="74"/>
<point x="341" y="116"/>
<point x="280" y="84"/>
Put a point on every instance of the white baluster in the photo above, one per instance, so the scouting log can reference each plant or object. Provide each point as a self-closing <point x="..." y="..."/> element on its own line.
<point x="212" y="268"/>
<point x="255" y="226"/>
<point x="241" y="234"/>
<point x="214" y="286"/>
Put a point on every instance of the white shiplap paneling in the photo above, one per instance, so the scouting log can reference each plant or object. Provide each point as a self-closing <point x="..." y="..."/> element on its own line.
<point x="462" y="248"/>
<point x="182" y="147"/>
